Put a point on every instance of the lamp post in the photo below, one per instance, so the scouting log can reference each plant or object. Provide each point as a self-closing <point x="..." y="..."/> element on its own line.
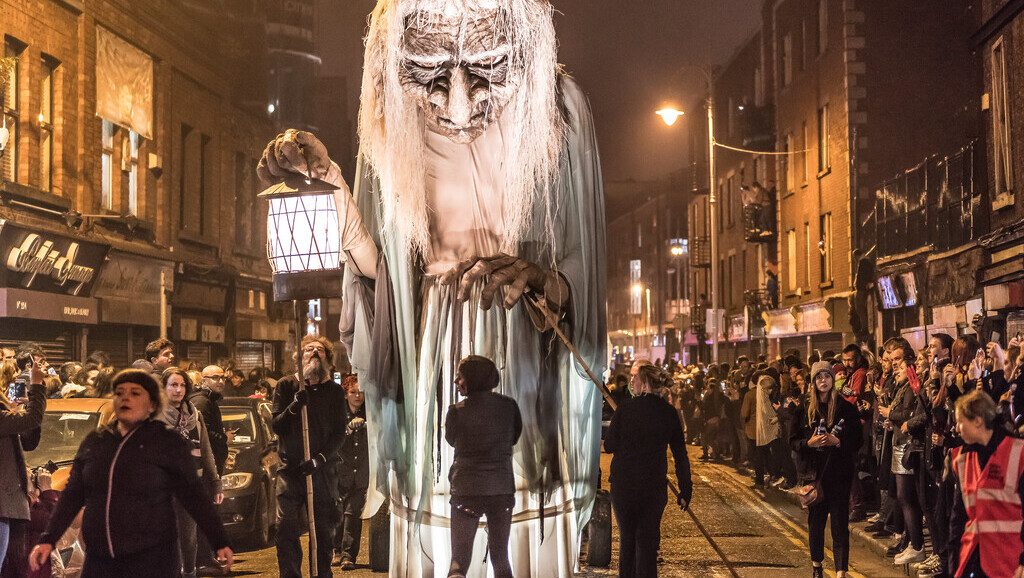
<point x="304" y="249"/>
<point x="670" y="116"/>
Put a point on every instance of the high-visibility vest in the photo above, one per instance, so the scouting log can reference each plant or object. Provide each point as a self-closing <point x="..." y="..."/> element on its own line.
<point x="993" y="507"/>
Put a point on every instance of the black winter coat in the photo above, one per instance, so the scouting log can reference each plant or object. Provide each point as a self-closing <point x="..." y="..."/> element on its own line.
<point x="841" y="461"/>
<point x="324" y="409"/>
<point x="353" y="466"/>
<point x="483" y="428"/>
<point x="127" y="486"/>
<point x="207" y="402"/>
<point x="641" y="430"/>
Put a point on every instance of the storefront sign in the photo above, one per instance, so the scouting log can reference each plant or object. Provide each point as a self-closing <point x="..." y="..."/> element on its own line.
<point x="738" y="327"/>
<point x="780" y="322"/>
<point x="129" y="289"/>
<point x="187" y="329"/>
<point x="814" y="318"/>
<point x="47" y="262"/>
<point x="24" y="304"/>
<point x="213" y="334"/>
<point x="200" y="296"/>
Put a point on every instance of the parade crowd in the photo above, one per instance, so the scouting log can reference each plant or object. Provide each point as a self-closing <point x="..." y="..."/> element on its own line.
<point x="922" y="445"/>
<point x="146" y="502"/>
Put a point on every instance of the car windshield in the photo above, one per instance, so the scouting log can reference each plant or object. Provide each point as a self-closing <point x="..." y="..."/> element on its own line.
<point x="62" y="432"/>
<point x="239" y="425"/>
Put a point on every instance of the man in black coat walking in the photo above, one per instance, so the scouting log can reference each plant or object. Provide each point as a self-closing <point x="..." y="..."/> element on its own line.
<point x="325" y="402"/>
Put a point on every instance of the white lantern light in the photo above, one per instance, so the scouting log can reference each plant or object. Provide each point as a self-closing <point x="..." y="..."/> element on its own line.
<point x="303" y="239"/>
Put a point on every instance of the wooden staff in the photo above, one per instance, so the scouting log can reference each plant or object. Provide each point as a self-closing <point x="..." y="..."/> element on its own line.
<point x="552" y="320"/>
<point x="300" y="327"/>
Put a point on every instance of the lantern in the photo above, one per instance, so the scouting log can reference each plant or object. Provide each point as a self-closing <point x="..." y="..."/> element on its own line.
<point x="303" y="239"/>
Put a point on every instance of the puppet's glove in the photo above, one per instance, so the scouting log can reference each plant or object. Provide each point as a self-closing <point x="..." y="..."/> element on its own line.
<point x="296" y="152"/>
<point x="517" y="276"/>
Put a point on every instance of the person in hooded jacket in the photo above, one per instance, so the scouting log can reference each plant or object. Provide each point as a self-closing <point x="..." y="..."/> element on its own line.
<point x="181" y="416"/>
<point x="827" y="436"/>
<point x="206" y="399"/>
<point x="127" y="476"/>
<point x="767" y="433"/>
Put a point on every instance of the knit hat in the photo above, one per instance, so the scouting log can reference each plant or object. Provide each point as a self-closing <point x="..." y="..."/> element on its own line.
<point x="479" y="373"/>
<point x="819" y="367"/>
<point x="146" y="381"/>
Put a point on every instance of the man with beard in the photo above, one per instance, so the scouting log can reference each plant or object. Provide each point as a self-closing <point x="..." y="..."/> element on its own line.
<point x="324" y="401"/>
<point x="478" y="197"/>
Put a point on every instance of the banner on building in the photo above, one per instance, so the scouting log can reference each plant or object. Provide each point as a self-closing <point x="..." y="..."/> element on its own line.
<point x="124" y="83"/>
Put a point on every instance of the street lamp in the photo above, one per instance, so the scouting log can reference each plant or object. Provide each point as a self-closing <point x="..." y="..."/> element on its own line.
<point x="304" y="250"/>
<point x="670" y="119"/>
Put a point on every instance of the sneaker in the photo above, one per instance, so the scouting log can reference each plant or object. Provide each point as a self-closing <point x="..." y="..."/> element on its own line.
<point x="778" y="482"/>
<point x="858" y="516"/>
<point x="897" y="547"/>
<point x="348" y="565"/>
<point x="875" y="519"/>
<point x="928" y="562"/>
<point x="875" y="527"/>
<point x="935" y="570"/>
<point x="909" y="555"/>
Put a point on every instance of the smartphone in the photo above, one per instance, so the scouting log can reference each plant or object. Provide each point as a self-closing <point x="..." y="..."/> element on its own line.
<point x="16" y="390"/>
<point x="337" y="377"/>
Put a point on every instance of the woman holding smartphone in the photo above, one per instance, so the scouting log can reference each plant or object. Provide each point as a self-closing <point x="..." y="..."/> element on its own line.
<point x="19" y="416"/>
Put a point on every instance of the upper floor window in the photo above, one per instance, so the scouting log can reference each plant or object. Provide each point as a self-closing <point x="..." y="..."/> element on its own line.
<point x="824" y="163"/>
<point x="1001" y="119"/>
<point x="11" y="159"/>
<point x="787" y="60"/>
<point x="46" y="108"/>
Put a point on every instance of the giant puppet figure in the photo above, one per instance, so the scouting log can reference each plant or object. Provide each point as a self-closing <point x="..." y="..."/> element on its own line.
<point x="478" y="195"/>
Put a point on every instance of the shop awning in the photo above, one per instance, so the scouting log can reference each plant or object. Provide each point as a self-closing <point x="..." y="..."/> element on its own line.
<point x="25" y="304"/>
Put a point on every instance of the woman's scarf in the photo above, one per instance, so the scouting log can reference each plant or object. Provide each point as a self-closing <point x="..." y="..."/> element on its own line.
<point x="767" y="418"/>
<point x="183" y="419"/>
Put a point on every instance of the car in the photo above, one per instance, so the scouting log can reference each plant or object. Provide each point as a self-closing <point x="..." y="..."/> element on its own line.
<point x="249" y="509"/>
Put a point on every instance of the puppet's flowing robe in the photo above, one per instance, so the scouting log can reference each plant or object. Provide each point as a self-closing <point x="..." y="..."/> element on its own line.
<point x="405" y="334"/>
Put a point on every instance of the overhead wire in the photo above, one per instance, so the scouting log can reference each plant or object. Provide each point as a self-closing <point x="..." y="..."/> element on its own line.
<point x="753" y="152"/>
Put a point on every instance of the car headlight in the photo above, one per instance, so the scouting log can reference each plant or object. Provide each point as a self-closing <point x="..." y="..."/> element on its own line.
<point x="236" y="481"/>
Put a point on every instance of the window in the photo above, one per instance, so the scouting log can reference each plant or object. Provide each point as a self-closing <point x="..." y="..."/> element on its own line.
<point x="805" y="139"/>
<point x="825" y="248"/>
<point x="824" y="164"/>
<point x="107" y="166"/>
<point x="787" y="60"/>
<point x="804" y="43"/>
<point x="184" y="175"/>
<point x="730" y="199"/>
<point x="205" y="178"/>
<point x="134" y="143"/>
<point x="732" y="277"/>
<point x="11" y="154"/>
<point x="46" y="96"/>
<point x="790" y="176"/>
<point x="245" y="234"/>
<point x="807" y="254"/>
<point x="791" y="260"/>
<point x="822" y="25"/>
<point x="1001" y="119"/>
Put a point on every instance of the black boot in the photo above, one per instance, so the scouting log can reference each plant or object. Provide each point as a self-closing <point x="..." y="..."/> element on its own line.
<point x="817" y="572"/>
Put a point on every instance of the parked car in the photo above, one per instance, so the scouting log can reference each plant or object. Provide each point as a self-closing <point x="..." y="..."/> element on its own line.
<point x="250" y="502"/>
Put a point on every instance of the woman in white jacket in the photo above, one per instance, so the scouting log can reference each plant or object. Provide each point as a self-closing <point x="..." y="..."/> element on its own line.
<point x="767" y="457"/>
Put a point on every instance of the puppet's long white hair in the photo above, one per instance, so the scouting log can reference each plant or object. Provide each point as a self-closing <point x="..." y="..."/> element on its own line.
<point x="392" y="130"/>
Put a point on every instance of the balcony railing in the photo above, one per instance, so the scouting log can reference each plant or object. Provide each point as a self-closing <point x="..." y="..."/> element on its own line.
<point x="759" y="300"/>
<point x="759" y="223"/>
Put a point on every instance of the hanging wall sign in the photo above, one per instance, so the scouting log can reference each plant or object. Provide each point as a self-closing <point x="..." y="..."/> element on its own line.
<point x="43" y="261"/>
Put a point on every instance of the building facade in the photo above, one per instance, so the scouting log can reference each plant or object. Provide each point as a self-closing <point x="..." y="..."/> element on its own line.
<point x="134" y="133"/>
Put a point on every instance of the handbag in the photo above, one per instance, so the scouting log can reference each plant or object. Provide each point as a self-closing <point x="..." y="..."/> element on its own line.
<point x="811" y="494"/>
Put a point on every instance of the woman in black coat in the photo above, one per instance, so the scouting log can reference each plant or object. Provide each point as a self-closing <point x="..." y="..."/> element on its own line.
<point x="482" y="428"/>
<point x="641" y="430"/>
<point x="832" y="457"/>
<point x="127" y="476"/>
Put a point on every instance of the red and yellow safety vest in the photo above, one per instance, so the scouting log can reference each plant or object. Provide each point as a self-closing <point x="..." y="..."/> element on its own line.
<point x="993" y="507"/>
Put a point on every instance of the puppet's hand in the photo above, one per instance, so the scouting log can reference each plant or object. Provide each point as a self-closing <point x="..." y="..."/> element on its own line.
<point x="517" y="275"/>
<point x="296" y="152"/>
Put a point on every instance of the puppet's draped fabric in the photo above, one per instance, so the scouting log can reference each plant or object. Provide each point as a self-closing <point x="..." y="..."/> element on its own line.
<point x="406" y="332"/>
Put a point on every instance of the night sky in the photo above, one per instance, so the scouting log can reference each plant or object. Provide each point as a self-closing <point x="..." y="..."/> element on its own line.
<point x="624" y="53"/>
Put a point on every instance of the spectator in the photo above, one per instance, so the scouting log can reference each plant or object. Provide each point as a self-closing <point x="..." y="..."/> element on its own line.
<point x="827" y="436"/>
<point x="353" y="476"/>
<point x="159" y="357"/>
<point x="206" y="398"/>
<point x="181" y="416"/>
<point x="236" y="384"/>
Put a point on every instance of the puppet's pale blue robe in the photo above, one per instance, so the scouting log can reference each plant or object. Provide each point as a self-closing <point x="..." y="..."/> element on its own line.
<point x="400" y="342"/>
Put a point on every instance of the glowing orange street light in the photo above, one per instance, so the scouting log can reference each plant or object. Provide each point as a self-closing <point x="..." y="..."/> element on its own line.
<point x="670" y="115"/>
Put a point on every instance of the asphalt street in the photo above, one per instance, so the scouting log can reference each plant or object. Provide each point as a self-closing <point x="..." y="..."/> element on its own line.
<point x="758" y="533"/>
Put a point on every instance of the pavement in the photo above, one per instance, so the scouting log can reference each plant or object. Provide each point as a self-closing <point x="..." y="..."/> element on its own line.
<point x="731" y="527"/>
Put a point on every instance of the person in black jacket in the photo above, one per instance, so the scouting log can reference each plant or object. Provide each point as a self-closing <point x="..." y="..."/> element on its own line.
<point x="640" y="431"/>
<point x="128" y="489"/>
<point x="482" y="428"/>
<point x="829" y="450"/>
<point x="206" y="398"/>
<point x="353" y="476"/>
<point x="325" y="402"/>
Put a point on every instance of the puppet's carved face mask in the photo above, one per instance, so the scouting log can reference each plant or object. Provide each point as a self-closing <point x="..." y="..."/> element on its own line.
<point x="457" y="71"/>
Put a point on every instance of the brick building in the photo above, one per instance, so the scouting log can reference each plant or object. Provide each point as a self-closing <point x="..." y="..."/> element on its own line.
<point x="647" y="262"/>
<point x="135" y="129"/>
<point x="1000" y="43"/>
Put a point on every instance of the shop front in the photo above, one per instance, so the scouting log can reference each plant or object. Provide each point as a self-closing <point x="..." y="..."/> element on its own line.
<point x="259" y="333"/>
<point x="129" y="290"/>
<point x="811" y="326"/>
<point x="46" y="284"/>
<point x="201" y="302"/>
